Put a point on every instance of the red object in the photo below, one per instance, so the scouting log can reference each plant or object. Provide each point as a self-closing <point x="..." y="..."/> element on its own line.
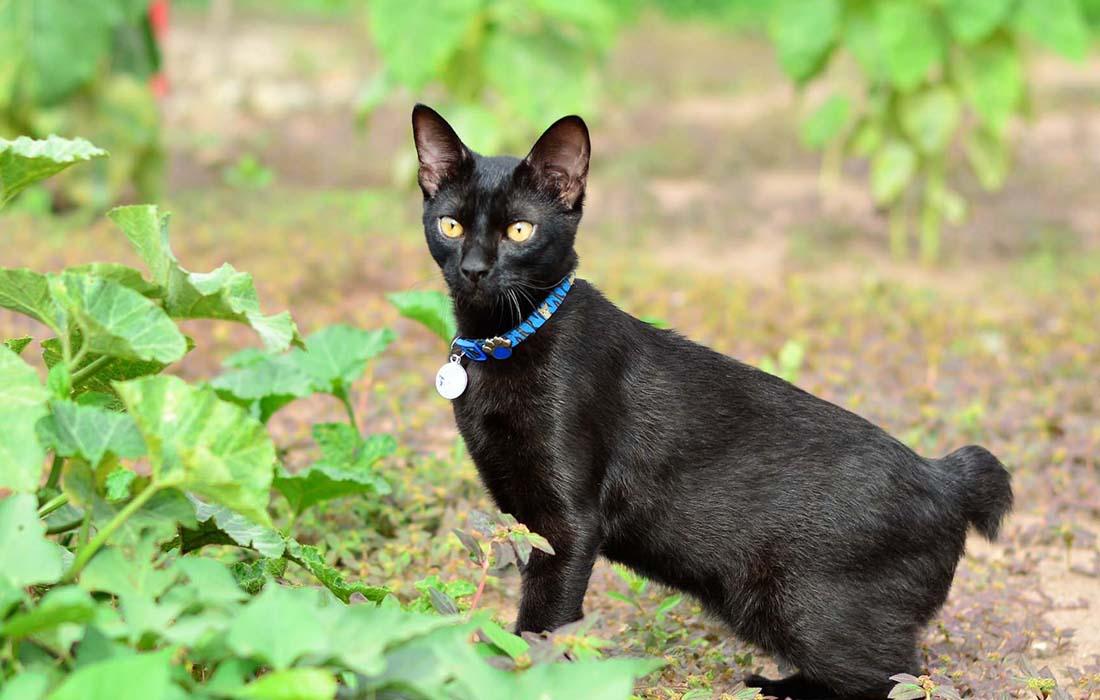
<point x="158" y="20"/>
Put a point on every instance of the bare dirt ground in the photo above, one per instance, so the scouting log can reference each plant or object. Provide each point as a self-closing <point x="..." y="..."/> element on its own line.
<point x="703" y="210"/>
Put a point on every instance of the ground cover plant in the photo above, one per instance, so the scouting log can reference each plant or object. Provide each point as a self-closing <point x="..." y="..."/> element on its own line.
<point x="104" y="582"/>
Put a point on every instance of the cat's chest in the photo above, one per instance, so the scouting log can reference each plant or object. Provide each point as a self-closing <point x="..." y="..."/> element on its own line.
<point x="507" y="419"/>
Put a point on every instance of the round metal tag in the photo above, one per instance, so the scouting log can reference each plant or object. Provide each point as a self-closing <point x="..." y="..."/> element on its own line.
<point x="450" y="380"/>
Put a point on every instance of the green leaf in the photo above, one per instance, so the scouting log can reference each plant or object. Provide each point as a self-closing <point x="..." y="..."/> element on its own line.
<point x="892" y="170"/>
<point x="330" y="577"/>
<point x="244" y="532"/>
<point x="930" y="117"/>
<point x="431" y="309"/>
<point x="910" y="41"/>
<point x="988" y="155"/>
<point x="17" y="345"/>
<point x="22" y="403"/>
<point x="28" y="293"/>
<point x="202" y="444"/>
<point x="826" y="122"/>
<point x="118" y="483"/>
<point x="973" y="20"/>
<point x="26" y="161"/>
<point x="117" y="321"/>
<point x="1056" y="24"/>
<point x="291" y="684"/>
<point x="336" y="356"/>
<point x="27" y="685"/>
<point x="281" y="625"/>
<point x="211" y="581"/>
<point x="27" y="558"/>
<point x="344" y="470"/>
<point x="253" y="576"/>
<point x="365" y="633"/>
<point x="142" y="589"/>
<point x="122" y="274"/>
<point x="860" y="36"/>
<point x="540" y="72"/>
<point x="414" y="64"/>
<point x="512" y="645"/>
<point x="804" y="34"/>
<point x="90" y="432"/>
<point x="133" y="677"/>
<point x="992" y="80"/>
<point x="100" y="381"/>
<point x="267" y="382"/>
<point x="224" y="294"/>
<point x="68" y="604"/>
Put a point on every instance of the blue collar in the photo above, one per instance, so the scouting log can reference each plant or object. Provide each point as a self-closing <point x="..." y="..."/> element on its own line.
<point x="500" y="347"/>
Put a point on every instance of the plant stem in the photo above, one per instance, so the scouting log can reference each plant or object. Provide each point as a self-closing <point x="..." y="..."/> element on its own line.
<point x="52" y="504"/>
<point x="88" y="551"/>
<point x="346" y="400"/>
<point x="480" y="585"/>
<point x="89" y="368"/>
<point x="65" y="527"/>
<point x="55" y="471"/>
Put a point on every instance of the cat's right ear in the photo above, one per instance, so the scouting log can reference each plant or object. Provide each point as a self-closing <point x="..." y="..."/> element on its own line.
<point x="442" y="154"/>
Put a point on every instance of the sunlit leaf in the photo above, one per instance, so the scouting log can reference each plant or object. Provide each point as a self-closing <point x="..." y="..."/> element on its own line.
<point x="28" y="557"/>
<point x="117" y="321"/>
<point x="89" y="432"/>
<point x="202" y="444"/>
<point x="291" y="684"/>
<point x="281" y="625"/>
<point x="329" y="576"/>
<point x="28" y="293"/>
<point x="892" y="169"/>
<point x="131" y="677"/>
<point x="22" y="403"/>
<point x="804" y="34"/>
<point x="910" y="41"/>
<point x="240" y="530"/>
<point x="930" y="117"/>
<point x="65" y="605"/>
<point x="973" y="20"/>
<point x="224" y="293"/>
<point x="431" y="309"/>
<point x="26" y="161"/>
<point x="336" y="356"/>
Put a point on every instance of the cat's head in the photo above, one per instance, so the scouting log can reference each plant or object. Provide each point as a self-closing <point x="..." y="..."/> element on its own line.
<point x="501" y="224"/>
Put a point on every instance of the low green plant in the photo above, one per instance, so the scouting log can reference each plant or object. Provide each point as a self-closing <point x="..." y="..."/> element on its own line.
<point x="107" y="582"/>
<point x="934" y="73"/>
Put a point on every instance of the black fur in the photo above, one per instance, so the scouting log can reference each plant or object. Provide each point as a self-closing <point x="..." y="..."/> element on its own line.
<point x="811" y="532"/>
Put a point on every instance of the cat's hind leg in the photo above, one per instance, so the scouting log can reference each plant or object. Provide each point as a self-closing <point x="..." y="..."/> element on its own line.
<point x="796" y="687"/>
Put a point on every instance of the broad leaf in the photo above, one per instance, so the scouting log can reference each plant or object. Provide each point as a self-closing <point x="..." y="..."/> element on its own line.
<point x="973" y="20"/>
<point x="27" y="558"/>
<point x="609" y="679"/>
<point x="909" y="39"/>
<point x="28" y="293"/>
<point x="26" y="161"/>
<point x="117" y="321"/>
<point x="140" y="587"/>
<point x="930" y="118"/>
<point x="431" y="309"/>
<point x="804" y="34"/>
<point x="239" y="529"/>
<point x="22" y="403"/>
<point x="1057" y="24"/>
<point x="108" y="370"/>
<point x="291" y="684"/>
<point x="65" y="605"/>
<point x="265" y="384"/>
<point x="414" y="64"/>
<point x="336" y="356"/>
<point x="891" y="171"/>
<point x="311" y="559"/>
<point x="122" y="274"/>
<point x="133" y="677"/>
<point x="202" y="444"/>
<point x="366" y="632"/>
<point x="90" y="432"/>
<point x="345" y="468"/>
<point x="224" y="294"/>
<point x="281" y="625"/>
<point x="826" y="122"/>
<point x="992" y="80"/>
<point x="17" y="345"/>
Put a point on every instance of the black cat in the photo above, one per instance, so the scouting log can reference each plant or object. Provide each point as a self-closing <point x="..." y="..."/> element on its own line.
<point x="811" y="532"/>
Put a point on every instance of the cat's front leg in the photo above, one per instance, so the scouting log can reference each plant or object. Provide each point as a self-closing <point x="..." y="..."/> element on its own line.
<point x="554" y="585"/>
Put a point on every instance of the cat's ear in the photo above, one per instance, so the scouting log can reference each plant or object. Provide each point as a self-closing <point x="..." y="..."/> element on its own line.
<point x="442" y="154"/>
<point x="559" y="159"/>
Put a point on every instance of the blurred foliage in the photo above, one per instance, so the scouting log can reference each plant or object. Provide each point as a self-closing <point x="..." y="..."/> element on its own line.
<point x="935" y="74"/>
<point x="503" y="67"/>
<point x="84" y="66"/>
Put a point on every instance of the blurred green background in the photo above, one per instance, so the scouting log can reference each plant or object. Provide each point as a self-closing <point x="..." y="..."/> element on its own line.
<point x="890" y="202"/>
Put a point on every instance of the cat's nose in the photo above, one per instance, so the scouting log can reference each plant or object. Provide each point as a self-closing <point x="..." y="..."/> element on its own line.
<point x="474" y="270"/>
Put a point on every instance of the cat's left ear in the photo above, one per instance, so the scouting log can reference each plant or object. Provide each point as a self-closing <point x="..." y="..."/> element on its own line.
<point x="559" y="159"/>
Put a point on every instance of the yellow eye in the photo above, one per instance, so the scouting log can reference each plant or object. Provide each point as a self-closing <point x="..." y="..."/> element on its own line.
<point x="449" y="227"/>
<point x="520" y="231"/>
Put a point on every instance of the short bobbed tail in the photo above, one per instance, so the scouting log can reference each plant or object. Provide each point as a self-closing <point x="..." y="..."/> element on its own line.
<point x="986" y="487"/>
